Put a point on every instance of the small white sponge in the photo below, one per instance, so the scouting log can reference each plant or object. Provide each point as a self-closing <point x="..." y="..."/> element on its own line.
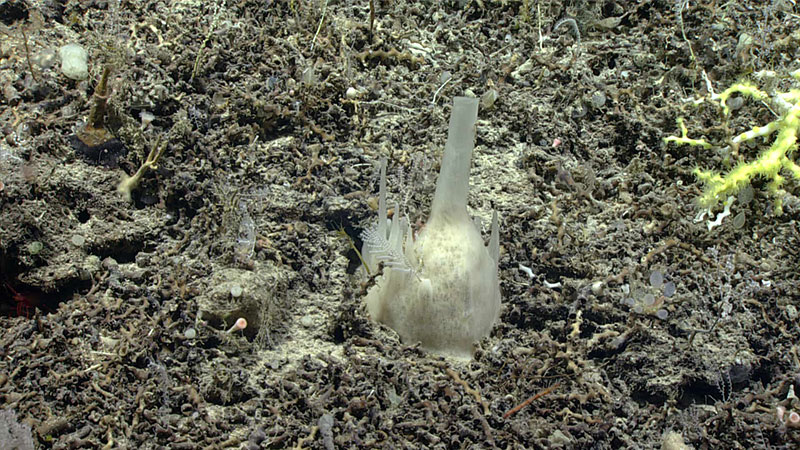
<point x="74" y="61"/>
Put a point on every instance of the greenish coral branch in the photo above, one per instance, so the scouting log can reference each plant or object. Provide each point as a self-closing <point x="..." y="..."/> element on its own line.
<point x="683" y="139"/>
<point x="768" y="165"/>
<point x="745" y="88"/>
<point x="771" y="161"/>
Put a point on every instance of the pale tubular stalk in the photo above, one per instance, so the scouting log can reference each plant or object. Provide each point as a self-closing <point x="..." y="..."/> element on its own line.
<point x="452" y="186"/>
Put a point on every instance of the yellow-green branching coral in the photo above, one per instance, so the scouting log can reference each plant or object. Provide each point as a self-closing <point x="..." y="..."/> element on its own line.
<point x="770" y="163"/>
<point x="684" y="139"/>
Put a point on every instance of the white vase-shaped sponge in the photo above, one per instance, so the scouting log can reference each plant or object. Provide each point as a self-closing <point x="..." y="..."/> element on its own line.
<point x="441" y="289"/>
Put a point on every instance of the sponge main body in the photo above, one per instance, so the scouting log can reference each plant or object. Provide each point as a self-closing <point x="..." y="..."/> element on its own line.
<point x="442" y="289"/>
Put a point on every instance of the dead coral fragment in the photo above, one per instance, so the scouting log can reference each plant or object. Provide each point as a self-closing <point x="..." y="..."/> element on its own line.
<point x="128" y="184"/>
<point x="393" y="54"/>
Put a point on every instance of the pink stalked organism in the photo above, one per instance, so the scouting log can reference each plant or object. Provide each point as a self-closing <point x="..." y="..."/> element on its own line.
<point x="793" y="420"/>
<point x="239" y="325"/>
